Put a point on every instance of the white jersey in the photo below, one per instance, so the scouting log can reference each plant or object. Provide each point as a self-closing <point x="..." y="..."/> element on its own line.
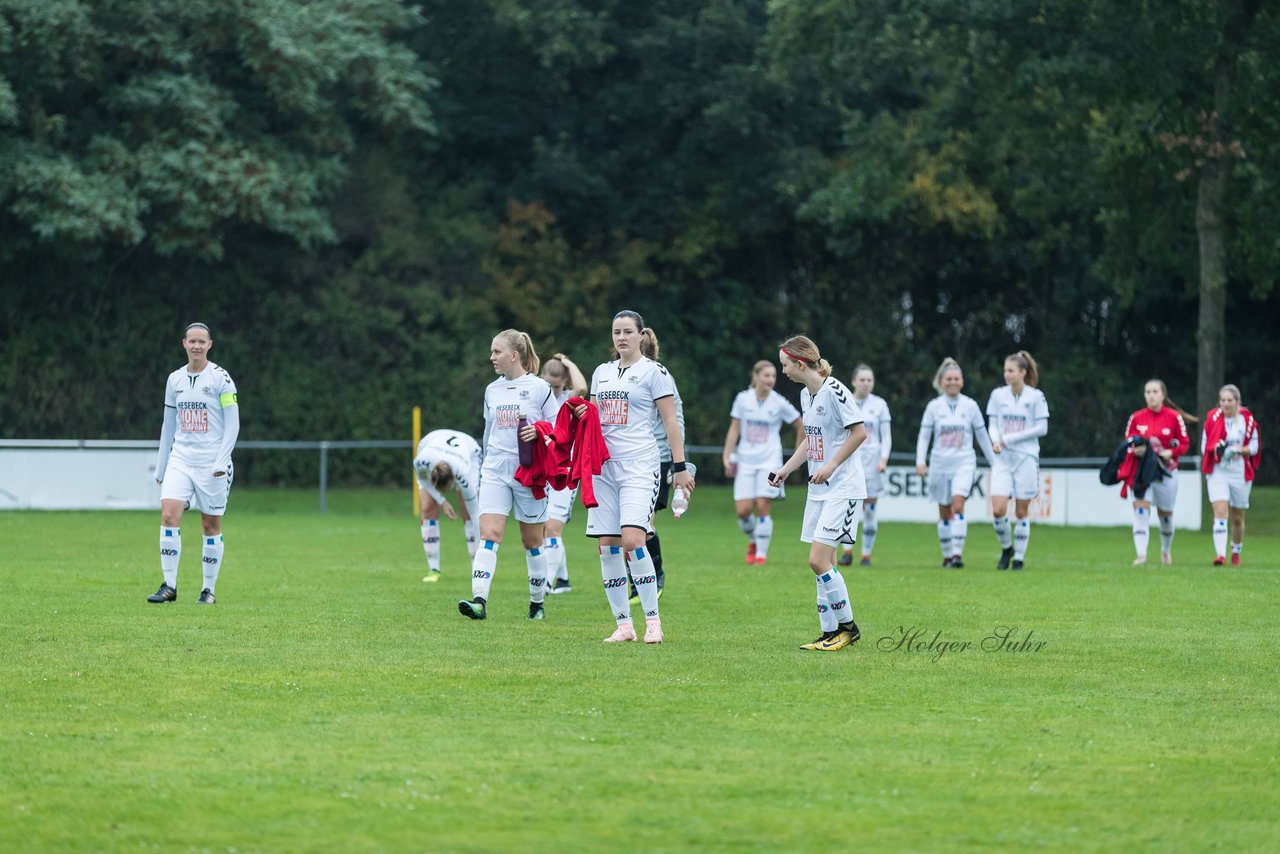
<point x="199" y="400"/>
<point x="759" y="442"/>
<point x="828" y="416"/>
<point x="459" y="450"/>
<point x="874" y="412"/>
<point x="1010" y="415"/>
<point x="627" y="401"/>
<point x="952" y="422"/>
<point x="506" y="402"/>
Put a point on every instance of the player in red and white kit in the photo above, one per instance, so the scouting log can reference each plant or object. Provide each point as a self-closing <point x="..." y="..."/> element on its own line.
<point x="630" y="393"/>
<point x="447" y="459"/>
<point x="566" y="381"/>
<point x="954" y="421"/>
<point x="201" y="424"/>
<point x="1017" y="416"/>
<point x="752" y="449"/>
<point x="832" y="433"/>
<point x="518" y="394"/>
<point x="1164" y="425"/>
<point x="1229" y="448"/>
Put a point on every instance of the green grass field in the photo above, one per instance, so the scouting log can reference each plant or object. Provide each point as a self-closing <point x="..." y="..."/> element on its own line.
<point x="332" y="701"/>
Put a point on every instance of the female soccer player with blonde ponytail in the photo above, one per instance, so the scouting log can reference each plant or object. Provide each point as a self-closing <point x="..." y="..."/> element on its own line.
<point x="832" y="433"/>
<point x="519" y="393"/>
<point x="1017" y="416"/>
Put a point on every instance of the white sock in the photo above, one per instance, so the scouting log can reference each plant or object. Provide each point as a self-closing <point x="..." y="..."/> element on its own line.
<point x="170" y="551"/>
<point x="431" y="543"/>
<point x="944" y="537"/>
<point x="1002" y="532"/>
<point x="868" y="529"/>
<point x="483" y="566"/>
<point x="1166" y="534"/>
<point x="826" y="619"/>
<point x="613" y="569"/>
<point x="536" y="562"/>
<point x="764" y="533"/>
<point x="837" y="595"/>
<point x="1021" y="534"/>
<point x="1220" y="537"/>
<point x="1141" y="529"/>
<point x="959" y="532"/>
<point x="562" y="568"/>
<point x="212" y="561"/>
<point x="748" y="526"/>
<point x="645" y="578"/>
<point x="551" y="548"/>
<point x="1237" y="548"/>
<point x="473" y="542"/>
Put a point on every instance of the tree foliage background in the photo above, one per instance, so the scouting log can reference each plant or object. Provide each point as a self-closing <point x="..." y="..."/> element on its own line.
<point x="357" y="194"/>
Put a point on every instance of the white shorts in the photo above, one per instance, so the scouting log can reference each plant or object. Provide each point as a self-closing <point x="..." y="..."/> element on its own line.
<point x="832" y="521"/>
<point x="561" y="503"/>
<point x="200" y="490"/>
<point x="752" y="483"/>
<point x="1229" y="487"/>
<point x="1163" y="493"/>
<point x="1016" y="475"/>
<point x="944" y="485"/>
<point x="627" y="491"/>
<point x="499" y="491"/>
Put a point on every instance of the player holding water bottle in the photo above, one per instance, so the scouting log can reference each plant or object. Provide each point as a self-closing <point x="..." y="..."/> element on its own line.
<point x="519" y="396"/>
<point x="629" y="393"/>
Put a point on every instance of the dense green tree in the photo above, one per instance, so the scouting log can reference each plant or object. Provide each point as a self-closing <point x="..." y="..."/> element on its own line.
<point x="358" y="195"/>
<point x="161" y="122"/>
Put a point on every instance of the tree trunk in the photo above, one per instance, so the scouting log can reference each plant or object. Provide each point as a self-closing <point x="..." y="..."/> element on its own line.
<point x="1210" y="203"/>
<point x="1211" y="210"/>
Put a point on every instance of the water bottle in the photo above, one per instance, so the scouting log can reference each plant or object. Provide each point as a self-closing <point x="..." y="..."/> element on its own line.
<point x="525" y="448"/>
<point x="679" y="503"/>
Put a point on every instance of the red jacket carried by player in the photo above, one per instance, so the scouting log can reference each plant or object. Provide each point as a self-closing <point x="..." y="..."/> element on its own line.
<point x="1164" y="429"/>
<point x="568" y="454"/>
<point x="1215" y="430"/>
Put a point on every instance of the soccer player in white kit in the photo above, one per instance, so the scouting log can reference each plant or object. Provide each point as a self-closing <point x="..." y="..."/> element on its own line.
<point x="629" y="393"/>
<point x="874" y="454"/>
<point x="1229" y="447"/>
<point x="447" y="459"/>
<point x="953" y="421"/>
<point x="832" y="433"/>
<point x="653" y="542"/>
<point x="1017" y="416"/>
<point x="566" y="381"/>
<point x="201" y="424"/>
<point x="753" y="449"/>
<point x="518" y="394"/>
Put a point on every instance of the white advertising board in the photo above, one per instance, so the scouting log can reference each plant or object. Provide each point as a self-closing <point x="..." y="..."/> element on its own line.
<point x="1067" y="497"/>
<point x="78" y="479"/>
<point x="122" y="479"/>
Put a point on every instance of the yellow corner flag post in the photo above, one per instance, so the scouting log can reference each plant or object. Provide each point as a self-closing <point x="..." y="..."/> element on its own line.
<point x="417" y="437"/>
